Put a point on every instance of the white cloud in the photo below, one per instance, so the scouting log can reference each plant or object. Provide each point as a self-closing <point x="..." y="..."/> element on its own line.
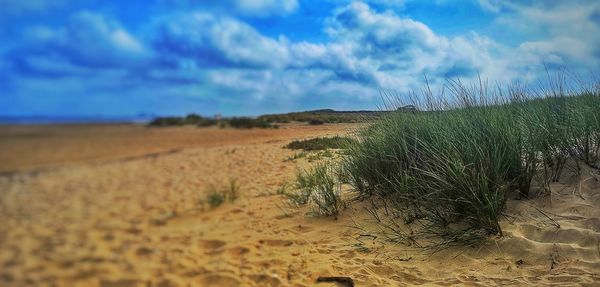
<point x="92" y="32"/>
<point x="266" y="7"/>
<point x="222" y="41"/>
<point x="291" y="90"/>
<point x="250" y="8"/>
<point x="89" y="39"/>
<point x="397" y="51"/>
<point x="491" y="5"/>
<point x="563" y="32"/>
<point x="89" y="45"/>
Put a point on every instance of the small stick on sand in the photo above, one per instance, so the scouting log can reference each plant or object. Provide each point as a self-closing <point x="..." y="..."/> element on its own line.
<point x="344" y="280"/>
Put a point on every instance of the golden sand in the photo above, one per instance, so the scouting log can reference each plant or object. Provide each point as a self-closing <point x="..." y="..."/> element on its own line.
<point x="121" y="205"/>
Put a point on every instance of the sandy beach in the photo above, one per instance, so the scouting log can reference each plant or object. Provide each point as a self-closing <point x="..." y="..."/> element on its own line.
<point x="122" y="205"/>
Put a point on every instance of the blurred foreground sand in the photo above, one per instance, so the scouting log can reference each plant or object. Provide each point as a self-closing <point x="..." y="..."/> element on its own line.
<point x="119" y="205"/>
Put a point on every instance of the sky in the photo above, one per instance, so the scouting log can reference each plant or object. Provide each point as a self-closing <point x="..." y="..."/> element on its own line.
<point x="250" y="57"/>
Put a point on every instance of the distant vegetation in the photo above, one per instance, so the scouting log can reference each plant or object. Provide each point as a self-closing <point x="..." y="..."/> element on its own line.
<point x="248" y="123"/>
<point x="318" y="117"/>
<point x="167" y="121"/>
<point x="316" y="122"/>
<point x="196" y="120"/>
<point x="336" y="142"/>
<point x="191" y="119"/>
<point x="442" y="177"/>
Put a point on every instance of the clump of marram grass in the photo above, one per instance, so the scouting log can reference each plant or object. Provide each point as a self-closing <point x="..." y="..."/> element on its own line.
<point x="450" y="167"/>
<point x="217" y="196"/>
<point x="319" y="187"/>
<point x="319" y="143"/>
<point x="304" y="187"/>
<point x="320" y="155"/>
<point x="296" y="156"/>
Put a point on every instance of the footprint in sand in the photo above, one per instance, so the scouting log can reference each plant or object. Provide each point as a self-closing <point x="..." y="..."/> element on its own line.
<point x="194" y="272"/>
<point x="299" y="229"/>
<point x="237" y="210"/>
<point x="144" y="251"/>
<point x="276" y="243"/>
<point x="580" y="238"/>
<point x="265" y="280"/>
<point x="212" y="247"/>
<point x="216" y="280"/>
<point x="212" y="244"/>
<point x="592" y="223"/>
<point x="348" y="254"/>
<point x="118" y="283"/>
<point x="238" y="251"/>
<point x="166" y="283"/>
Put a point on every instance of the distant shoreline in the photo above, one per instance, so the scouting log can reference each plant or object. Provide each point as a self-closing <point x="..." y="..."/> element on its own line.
<point x="326" y="115"/>
<point x="44" y="120"/>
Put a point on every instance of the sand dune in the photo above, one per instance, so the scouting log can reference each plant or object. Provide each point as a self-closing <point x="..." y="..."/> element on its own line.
<point x="121" y="206"/>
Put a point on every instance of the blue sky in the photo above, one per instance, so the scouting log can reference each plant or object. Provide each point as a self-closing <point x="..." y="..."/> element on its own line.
<point x="248" y="57"/>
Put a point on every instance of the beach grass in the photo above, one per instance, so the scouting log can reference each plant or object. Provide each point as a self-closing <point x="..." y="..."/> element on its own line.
<point x="451" y="166"/>
<point x="217" y="196"/>
<point x="319" y="187"/>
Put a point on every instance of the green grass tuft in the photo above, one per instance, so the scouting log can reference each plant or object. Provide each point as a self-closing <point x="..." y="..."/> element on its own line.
<point x="319" y="187"/>
<point x="336" y="142"/>
<point x="216" y="197"/>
